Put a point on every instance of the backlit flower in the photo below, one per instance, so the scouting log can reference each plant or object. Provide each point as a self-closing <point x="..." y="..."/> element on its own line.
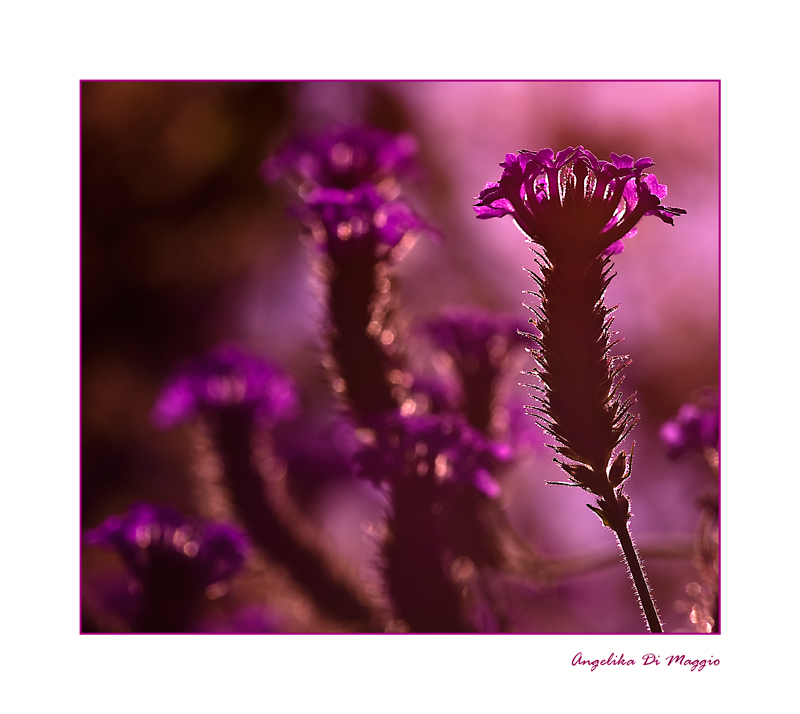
<point x="475" y="340"/>
<point x="479" y="344"/>
<point x="349" y="222"/>
<point x="443" y="449"/>
<point x="695" y="427"/>
<point x="224" y="377"/>
<point x="342" y="158"/>
<point x="154" y="539"/>
<point x="571" y="202"/>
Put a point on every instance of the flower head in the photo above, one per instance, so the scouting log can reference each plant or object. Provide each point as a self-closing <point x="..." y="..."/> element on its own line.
<point x="475" y="340"/>
<point x="351" y="222"/>
<point x="479" y="345"/>
<point x="570" y="201"/>
<point x="225" y="377"/>
<point x="343" y="158"/>
<point x="153" y="539"/>
<point x="695" y="427"/>
<point x="442" y="448"/>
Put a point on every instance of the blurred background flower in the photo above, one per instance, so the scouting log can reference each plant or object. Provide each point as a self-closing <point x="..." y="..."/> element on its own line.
<point x="185" y="246"/>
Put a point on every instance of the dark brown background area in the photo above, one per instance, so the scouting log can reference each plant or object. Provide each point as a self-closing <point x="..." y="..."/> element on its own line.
<point x="171" y="205"/>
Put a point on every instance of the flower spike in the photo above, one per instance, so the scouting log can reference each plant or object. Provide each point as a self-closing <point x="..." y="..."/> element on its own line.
<point x="579" y="210"/>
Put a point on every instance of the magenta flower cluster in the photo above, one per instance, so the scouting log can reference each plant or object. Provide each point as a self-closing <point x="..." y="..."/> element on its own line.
<point x="695" y="427"/>
<point x="158" y="538"/>
<point x="572" y="200"/>
<point x="440" y="448"/>
<point x="360" y="219"/>
<point x="475" y="339"/>
<point x="225" y="377"/>
<point x="343" y="158"/>
<point x="348" y="180"/>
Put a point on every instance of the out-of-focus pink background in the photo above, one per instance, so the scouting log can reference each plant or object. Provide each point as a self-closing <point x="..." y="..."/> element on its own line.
<point x="183" y="247"/>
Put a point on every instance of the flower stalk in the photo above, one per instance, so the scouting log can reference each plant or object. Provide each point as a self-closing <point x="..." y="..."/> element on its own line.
<point x="696" y="429"/>
<point x="581" y="405"/>
<point x="280" y="533"/>
<point x="577" y="210"/>
<point x="349" y="186"/>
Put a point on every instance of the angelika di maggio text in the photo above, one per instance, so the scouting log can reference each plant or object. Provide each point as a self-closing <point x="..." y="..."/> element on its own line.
<point x="648" y="659"/>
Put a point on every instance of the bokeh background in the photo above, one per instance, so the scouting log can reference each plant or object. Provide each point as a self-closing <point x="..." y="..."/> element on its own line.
<point x="184" y="247"/>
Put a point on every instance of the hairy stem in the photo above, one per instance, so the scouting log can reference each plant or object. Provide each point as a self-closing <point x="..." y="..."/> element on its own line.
<point x="416" y="557"/>
<point x="417" y="561"/>
<point x="278" y="535"/>
<point x="639" y="579"/>
<point x="361" y="363"/>
<point x="581" y="403"/>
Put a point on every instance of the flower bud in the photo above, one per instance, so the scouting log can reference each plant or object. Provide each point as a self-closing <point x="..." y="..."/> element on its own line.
<point x="617" y="473"/>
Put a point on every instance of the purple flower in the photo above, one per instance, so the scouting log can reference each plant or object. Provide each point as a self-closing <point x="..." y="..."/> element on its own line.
<point x="225" y="377"/>
<point x="474" y="339"/>
<point x="359" y="221"/>
<point x="442" y="448"/>
<point x="571" y="201"/>
<point x="158" y="539"/>
<point x="479" y="344"/>
<point x="343" y="158"/>
<point x="695" y="427"/>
